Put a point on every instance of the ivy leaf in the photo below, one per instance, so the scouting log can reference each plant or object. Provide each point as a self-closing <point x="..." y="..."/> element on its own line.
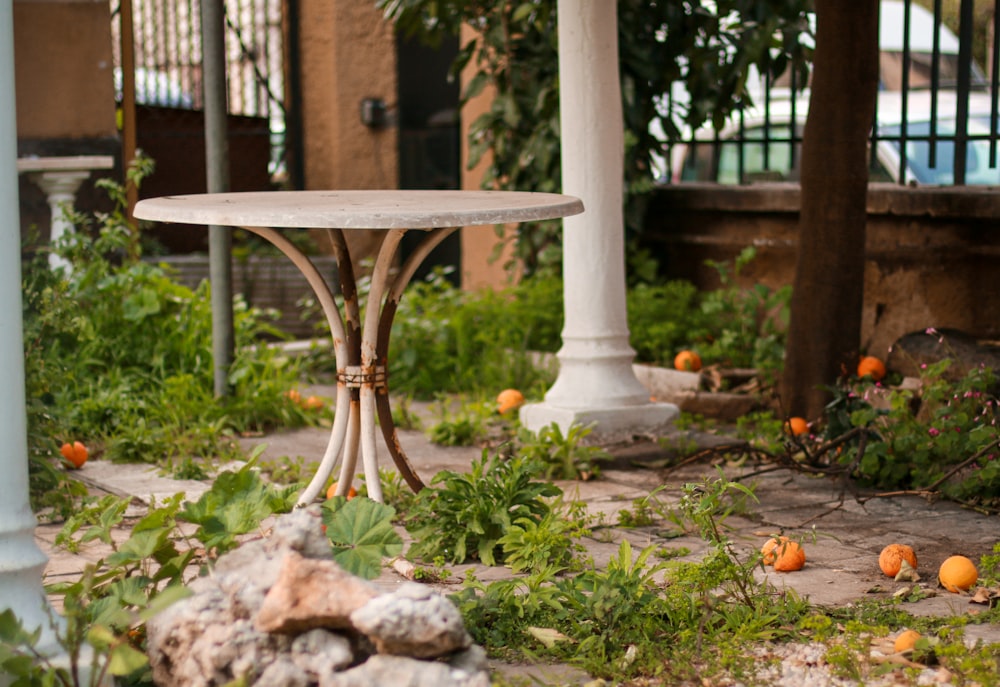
<point x="361" y="533"/>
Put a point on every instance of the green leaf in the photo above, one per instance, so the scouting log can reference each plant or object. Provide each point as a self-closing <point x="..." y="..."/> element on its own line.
<point x="361" y="533"/>
<point x="141" y="305"/>
<point x="125" y="660"/>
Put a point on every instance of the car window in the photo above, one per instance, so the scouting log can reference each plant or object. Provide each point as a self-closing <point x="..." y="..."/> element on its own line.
<point x="980" y="169"/>
<point x="719" y="161"/>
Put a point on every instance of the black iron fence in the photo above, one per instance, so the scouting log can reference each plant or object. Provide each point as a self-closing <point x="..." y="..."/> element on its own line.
<point x="937" y="113"/>
<point x="167" y="66"/>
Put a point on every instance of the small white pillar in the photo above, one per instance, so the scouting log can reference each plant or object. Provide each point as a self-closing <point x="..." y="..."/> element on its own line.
<point x="596" y="383"/>
<point x="60" y="179"/>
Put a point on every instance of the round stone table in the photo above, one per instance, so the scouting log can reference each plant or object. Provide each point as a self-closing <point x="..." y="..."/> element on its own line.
<point x="361" y="348"/>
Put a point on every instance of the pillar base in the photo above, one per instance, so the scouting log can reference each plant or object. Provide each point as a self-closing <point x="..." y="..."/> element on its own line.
<point x="610" y="424"/>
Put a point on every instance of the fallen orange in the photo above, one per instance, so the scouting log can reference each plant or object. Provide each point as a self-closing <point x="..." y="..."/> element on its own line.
<point x="870" y="366"/>
<point x="508" y="400"/>
<point x="790" y="556"/>
<point x="76" y="454"/>
<point x="796" y="426"/>
<point x="687" y="361"/>
<point x="312" y="403"/>
<point x="957" y="574"/>
<point x="890" y="560"/>
<point x="905" y="641"/>
<point x="768" y="552"/>
<point x="332" y="491"/>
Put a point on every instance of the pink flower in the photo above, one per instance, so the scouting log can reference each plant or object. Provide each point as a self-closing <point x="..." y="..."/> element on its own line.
<point x="933" y="431"/>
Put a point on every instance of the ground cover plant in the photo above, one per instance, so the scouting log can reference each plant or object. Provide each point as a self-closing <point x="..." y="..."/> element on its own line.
<point x="174" y="542"/>
<point x="446" y="340"/>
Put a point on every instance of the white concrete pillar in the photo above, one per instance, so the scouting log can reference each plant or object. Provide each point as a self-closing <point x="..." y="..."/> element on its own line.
<point x="596" y="383"/>
<point x="21" y="561"/>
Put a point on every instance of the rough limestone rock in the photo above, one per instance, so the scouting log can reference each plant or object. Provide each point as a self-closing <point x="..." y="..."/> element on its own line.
<point x="311" y="593"/>
<point x="912" y="352"/>
<point x="412" y="621"/>
<point x="198" y="642"/>
<point x="400" y="671"/>
<point x="285" y="673"/>
<point x="300" y="531"/>
<point x="331" y="624"/>
<point x="320" y="653"/>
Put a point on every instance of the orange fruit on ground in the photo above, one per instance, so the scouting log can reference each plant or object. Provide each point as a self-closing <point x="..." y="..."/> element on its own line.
<point x="293" y="395"/>
<point x="892" y="557"/>
<point x="870" y="366"/>
<point x="687" y="361"/>
<point x="768" y="552"/>
<point x="797" y="426"/>
<point x="75" y="453"/>
<point x="905" y="641"/>
<point x="332" y="491"/>
<point x="312" y="403"/>
<point x="508" y="400"/>
<point x="790" y="556"/>
<point x="957" y="574"/>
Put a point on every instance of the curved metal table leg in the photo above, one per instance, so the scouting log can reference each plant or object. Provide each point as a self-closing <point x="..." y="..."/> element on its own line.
<point x="430" y="242"/>
<point x="346" y="374"/>
<point x="340" y="347"/>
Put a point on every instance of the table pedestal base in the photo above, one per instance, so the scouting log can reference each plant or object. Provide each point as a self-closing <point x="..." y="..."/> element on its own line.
<point x="361" y="350"/>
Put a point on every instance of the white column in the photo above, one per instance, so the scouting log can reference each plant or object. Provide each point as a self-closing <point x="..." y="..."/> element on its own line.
<point x="596" y="383"/>
<point x="21" y="561"/>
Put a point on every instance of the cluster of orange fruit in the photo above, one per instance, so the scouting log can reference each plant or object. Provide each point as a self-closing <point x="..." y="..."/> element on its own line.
<point x="309" y="402"/>
<point x="868" y="366"/>
<point x="957" y="573"/>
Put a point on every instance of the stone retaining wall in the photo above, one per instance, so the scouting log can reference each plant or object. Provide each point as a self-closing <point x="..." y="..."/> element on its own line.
<point x="933" y="254"/>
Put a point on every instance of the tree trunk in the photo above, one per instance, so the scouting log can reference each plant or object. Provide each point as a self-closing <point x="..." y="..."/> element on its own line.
<point x="825" y="327"/>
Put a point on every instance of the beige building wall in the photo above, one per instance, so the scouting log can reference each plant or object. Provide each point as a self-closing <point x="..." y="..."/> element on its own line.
<point x="347" y="54"/>
<point x="64" y="87"/>
<point x="482" y="266"/>
<point x="63" y="69"/>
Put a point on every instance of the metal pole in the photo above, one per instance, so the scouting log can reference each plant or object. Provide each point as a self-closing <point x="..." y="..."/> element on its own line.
<point x="217" y="173"/>
<point x="129" y="124"/>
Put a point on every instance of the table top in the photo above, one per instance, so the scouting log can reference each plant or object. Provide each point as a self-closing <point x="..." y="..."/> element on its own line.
<point x="408" y="209"/>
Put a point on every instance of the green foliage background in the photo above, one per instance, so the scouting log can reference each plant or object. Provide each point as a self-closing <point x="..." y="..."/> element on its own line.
<point x="707" y="47"/>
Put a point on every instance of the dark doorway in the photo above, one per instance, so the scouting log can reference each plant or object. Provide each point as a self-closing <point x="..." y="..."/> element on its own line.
<point x="429" y="154"/>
